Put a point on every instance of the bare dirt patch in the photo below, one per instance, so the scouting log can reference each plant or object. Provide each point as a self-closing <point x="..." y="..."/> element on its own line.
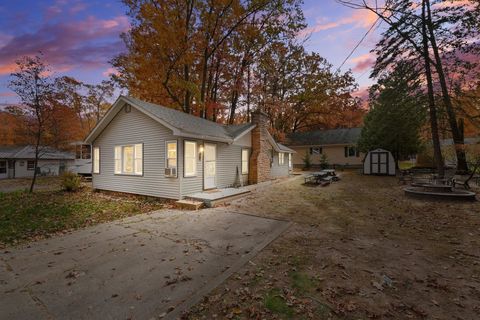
<point x="359" y="249"/>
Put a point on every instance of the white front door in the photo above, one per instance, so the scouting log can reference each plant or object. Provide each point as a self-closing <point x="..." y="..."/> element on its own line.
<point x="209" y="166"/>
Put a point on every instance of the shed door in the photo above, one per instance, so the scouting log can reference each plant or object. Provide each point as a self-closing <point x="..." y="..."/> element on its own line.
<point x="379" y="162"/>
<point x="383" y="163"/>
<point x="209" y="166"/>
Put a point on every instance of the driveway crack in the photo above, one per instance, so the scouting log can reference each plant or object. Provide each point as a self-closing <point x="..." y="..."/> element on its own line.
<point x="39" y="303"/>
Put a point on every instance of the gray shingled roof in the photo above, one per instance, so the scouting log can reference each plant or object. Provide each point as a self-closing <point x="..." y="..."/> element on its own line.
<point x="189" y="123"/>
<point x="28" y="152"/>
<point x="234" y="130"/>
<point x="324" y="137"/>
<point x="285" y="148"/>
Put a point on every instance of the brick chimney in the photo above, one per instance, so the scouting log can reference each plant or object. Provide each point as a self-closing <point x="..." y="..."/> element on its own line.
<point x="260" y="157"/>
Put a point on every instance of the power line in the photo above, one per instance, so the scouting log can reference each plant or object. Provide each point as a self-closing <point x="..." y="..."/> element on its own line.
<point x="358" y="44"/>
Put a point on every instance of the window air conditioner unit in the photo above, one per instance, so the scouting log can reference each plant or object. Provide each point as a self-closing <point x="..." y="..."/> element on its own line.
<point x="170" y="172"/>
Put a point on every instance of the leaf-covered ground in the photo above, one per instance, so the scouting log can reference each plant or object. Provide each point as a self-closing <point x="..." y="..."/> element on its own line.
<point x="25" y="216"/>
<point x="358" y="249"/>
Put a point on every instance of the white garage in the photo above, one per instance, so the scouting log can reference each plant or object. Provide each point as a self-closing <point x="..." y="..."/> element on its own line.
<point x="379" y="162"/>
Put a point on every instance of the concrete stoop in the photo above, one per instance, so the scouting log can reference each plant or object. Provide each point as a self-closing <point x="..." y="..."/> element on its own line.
<point x="188" y="204"/>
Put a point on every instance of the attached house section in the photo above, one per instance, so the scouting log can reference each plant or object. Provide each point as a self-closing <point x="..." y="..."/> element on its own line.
<point x="132" y="152"/>
<point x="337" y="146"/>
<point x="142" y="148"/>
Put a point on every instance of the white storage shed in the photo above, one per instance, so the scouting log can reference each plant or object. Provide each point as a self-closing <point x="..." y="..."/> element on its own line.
<point x="379" y="162"/>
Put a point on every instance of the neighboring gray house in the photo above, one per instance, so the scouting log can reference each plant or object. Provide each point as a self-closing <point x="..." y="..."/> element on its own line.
<point x="144" y="148"/>
<point x="19" y="161"/>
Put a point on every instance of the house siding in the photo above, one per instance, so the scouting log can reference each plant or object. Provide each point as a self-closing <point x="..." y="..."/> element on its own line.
<point x="46" y="167"/>
<point x="335" y="156"/>
<point x="228" y="164"/>
<point x="278" y="171"/>
<point x="229" y="158"/>
<point x="131" y="128"/>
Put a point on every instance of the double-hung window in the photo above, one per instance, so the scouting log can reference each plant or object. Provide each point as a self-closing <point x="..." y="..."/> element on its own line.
<point x="129" y="159"/>
<point x="281" y="158"/>
<point x="3" y="166"/>
<point x="96" y="160"/>
<point x="290" y="160"/>
<point x="171" y="152"/>
<point x="351" y="152"/>
<point x="190" y="158"/>
<point x="244" y="161"/>
<point x="316" y="150"/>
<point x="30" y="164"/>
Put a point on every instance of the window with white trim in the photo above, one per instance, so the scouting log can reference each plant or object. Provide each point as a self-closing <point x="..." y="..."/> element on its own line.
<point x="171" y="151"/>
<point x="96" y="160"/>
<point x="30" y="164"/>
<point x="129" y="159"/>
<point x="316" y="150"/>
<point x="244" y="161"/>
<point x="190" y="159"/>
<point x="351" y="152"/>
<point x="289" y="160"/>
<point x="281" y="158"/>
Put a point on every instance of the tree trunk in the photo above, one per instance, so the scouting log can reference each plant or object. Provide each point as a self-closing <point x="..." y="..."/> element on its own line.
<point x="248" y="93"/>
<point x="452" y="119"/>
<point x="203" y="89"/>
<point x="186" y="67"/>
<point x="437" y="151"/>
<point x="186" y="101"/>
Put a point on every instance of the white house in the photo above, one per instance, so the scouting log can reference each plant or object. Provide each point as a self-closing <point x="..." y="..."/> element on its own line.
<point x="144" y="148"/>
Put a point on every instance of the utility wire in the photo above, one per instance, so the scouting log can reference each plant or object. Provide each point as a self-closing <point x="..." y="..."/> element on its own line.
<point x="358" y="44"/>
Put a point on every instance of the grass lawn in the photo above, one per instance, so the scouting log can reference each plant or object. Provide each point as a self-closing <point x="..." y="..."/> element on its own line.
<point x="358" y="249"/>
<point x="25" y="216"/>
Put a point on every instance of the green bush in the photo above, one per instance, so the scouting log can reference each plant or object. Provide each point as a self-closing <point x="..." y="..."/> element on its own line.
<point x="323" y="161"/>
<point x="70" y="181"/>
<point x="307" y="162"/>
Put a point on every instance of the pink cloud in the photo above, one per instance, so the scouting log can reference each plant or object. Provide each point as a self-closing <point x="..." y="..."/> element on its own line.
<point x="7" y="94"/>
<point x="7" y="68"/>
<point x="66" y="45"/>
<point x="363" y="62"/>
<point x="80" y="6"/>
<point x="110" y="71"/>
<point x="362" y="93"/>
<point x="455" y="3"/>
<point x="359" y="18"/>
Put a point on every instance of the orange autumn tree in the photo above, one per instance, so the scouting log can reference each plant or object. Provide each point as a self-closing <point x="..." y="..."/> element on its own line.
<point x="221" y="59"/>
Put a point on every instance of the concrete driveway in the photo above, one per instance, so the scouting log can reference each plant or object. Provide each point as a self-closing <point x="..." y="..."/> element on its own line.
<point x="148" y="266"/>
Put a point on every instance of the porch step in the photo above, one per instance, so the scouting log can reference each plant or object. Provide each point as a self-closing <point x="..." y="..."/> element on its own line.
<point x="212" y="201"/>
<point x="189" y="204"/>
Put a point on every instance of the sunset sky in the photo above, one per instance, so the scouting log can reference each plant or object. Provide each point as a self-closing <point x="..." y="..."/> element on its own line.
<point x="79" y="37"/>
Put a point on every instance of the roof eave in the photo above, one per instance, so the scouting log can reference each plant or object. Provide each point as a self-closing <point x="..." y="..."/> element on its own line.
<point x="322" y="145"/>
<point x="116" y="105"/>
<point x="184" y="134"/>
<point x="244" y="132"/>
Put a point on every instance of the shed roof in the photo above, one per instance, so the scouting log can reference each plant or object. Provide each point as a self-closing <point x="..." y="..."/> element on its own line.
<point x="324" y="137"/>
<point x="28" y="152"/>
